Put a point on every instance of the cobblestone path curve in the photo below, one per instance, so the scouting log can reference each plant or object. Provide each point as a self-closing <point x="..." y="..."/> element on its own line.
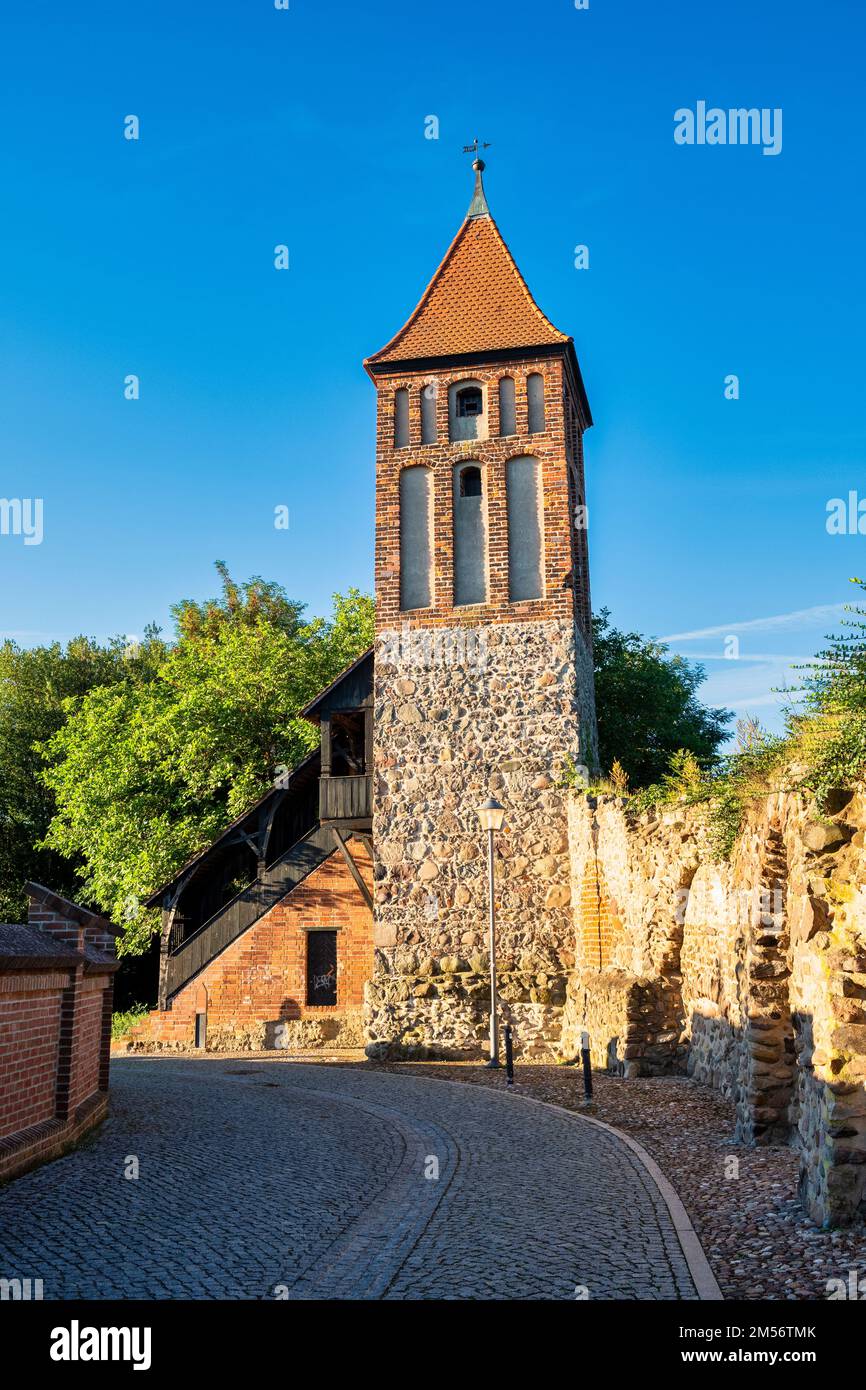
<point x="275" y="1179"/>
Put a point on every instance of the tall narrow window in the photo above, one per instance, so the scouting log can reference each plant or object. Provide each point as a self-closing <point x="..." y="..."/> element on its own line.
<point x="322" y="967"/>
<point x="470" y="536"/>
<point x="507" y="418"/>
<point x="523" y="488"/>
<point x="428" y="413"/>
<point x="401" y="418"/>
<point x="416" y="537"/>
<point x="535" y="402"/>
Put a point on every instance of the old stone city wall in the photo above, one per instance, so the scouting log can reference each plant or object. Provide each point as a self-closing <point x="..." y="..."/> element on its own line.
<point x="749" y="974"/>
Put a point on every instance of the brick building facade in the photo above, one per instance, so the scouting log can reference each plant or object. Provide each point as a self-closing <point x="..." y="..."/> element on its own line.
<point x="254" y="994"/>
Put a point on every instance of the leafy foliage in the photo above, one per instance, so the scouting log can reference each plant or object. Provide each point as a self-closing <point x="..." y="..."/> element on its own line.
<point x="124" y="1019"/>
<point x="619" y="778"/>
<point x="755" y="768"/>
<point x="828" y="736"/>
<point x="685" y="780"/>
<point x="647" y="707"/>
<point x="39" y="686"/>
<point x="146" y="773"/>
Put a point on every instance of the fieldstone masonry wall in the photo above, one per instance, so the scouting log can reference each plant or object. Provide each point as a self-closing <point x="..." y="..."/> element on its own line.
<point x="500" y="720"/>
<point x="749" y="974"/>
<point x="424" y="1008"/>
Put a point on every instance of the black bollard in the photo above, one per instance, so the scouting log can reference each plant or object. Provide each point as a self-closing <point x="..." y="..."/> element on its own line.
<point x="509" y="1057"/>
<point x="587" y="1068"/>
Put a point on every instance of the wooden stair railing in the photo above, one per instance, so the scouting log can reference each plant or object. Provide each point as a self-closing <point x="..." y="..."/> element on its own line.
<point x="247" y="907"/>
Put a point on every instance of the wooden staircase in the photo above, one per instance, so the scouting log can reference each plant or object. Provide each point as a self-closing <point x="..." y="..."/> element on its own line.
<point x="198" y="950"/>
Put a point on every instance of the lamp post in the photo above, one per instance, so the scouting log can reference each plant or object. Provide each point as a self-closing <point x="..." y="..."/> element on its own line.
<point x="491" y="816"/>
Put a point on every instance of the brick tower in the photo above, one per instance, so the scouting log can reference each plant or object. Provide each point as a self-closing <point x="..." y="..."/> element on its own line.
<point x="483" y="670"/>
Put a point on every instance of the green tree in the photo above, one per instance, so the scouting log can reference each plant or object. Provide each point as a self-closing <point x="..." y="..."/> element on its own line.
<point x="827" y="736"/>
<point x="38" y="688"/>
<point x="646" y="706"/>
<point x="146" y="774"/>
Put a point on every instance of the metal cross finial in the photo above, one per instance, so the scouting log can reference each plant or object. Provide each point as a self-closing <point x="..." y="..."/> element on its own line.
<point x="478" y="207"/>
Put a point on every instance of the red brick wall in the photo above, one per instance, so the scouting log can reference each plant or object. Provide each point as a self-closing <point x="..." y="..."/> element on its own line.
<point x="261" y="977"/>
<point x="55" y="1023"/>
<point x="599" y="924"/>
<point x="560" y="451"/>
<point x="29" y="1025"/>
<point x="86" y="1045"/>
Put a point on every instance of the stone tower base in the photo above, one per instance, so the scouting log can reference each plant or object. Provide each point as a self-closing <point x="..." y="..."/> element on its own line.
<point x="441" y="1009"/>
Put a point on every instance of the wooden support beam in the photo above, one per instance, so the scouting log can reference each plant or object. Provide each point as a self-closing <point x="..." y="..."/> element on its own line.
<point x="325" y="730"/>
<point x="253" y="842"/>
<point x="269" y="825"/>
<point x="170" y="907"/>
<point x="168" y="918"/>
<point x="353" y="868"/>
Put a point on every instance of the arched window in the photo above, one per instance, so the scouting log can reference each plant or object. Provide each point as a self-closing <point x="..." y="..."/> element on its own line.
<point x="416" y="537"/>
<point x="470" y="481"/>
<point x="401" y="418"/>
<point x="467" y="414"/>
<point x="428" y="413"/>
<point x="507" y="417"/>
<point x="523" y="492"/>
<point x="470" y="536"/>
<point x="535" y="402"/>
<point x="470" y="402"/>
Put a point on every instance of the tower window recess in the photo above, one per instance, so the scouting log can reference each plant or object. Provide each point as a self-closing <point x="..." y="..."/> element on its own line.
<point x="470" y="402"/>
<point x="401" y="418"/>
<point x="470" y="481"/>
<point x="523" y="494"/>
<point x="507" y="415"/>
<point x="428" y="413"/>
<point x="322" y="967"/>
<point x="467" y="411"/>
<point x="416" y="537"/>
<point x="470" y="536"/>
<point x="535" y="402"/>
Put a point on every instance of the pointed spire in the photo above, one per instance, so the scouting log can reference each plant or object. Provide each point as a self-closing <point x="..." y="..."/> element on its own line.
<point x="477" y="300"/>
<point x="478" y="207"/>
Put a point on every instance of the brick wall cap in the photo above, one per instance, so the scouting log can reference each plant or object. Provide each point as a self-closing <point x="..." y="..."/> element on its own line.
<point x="82" y="916"/>
<point x="96" y="963"/>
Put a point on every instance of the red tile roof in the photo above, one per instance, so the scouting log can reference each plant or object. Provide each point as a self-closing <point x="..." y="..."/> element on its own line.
<point x="476" y="302"/>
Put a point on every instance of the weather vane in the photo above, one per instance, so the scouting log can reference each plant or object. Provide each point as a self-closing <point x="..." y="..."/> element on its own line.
<point x="476" y="146"/>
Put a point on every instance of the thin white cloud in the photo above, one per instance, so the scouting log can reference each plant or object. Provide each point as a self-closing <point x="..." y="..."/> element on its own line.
<point x="765" y="658"/>
<point x="771" y="698"/>
<point x="802" y="618"/>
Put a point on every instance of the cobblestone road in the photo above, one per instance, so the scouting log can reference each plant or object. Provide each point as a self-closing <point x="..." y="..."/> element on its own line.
<point x="271" y="1179"/>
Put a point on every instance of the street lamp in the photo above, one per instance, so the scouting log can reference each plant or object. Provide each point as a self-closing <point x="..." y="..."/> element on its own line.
<point x="491" y="816"/>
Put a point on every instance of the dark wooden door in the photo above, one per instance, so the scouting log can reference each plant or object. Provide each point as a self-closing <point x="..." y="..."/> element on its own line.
<point x="321" y="967"/>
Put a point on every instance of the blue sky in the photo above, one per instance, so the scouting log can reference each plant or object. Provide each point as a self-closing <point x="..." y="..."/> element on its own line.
<point x="306" y="127"/>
